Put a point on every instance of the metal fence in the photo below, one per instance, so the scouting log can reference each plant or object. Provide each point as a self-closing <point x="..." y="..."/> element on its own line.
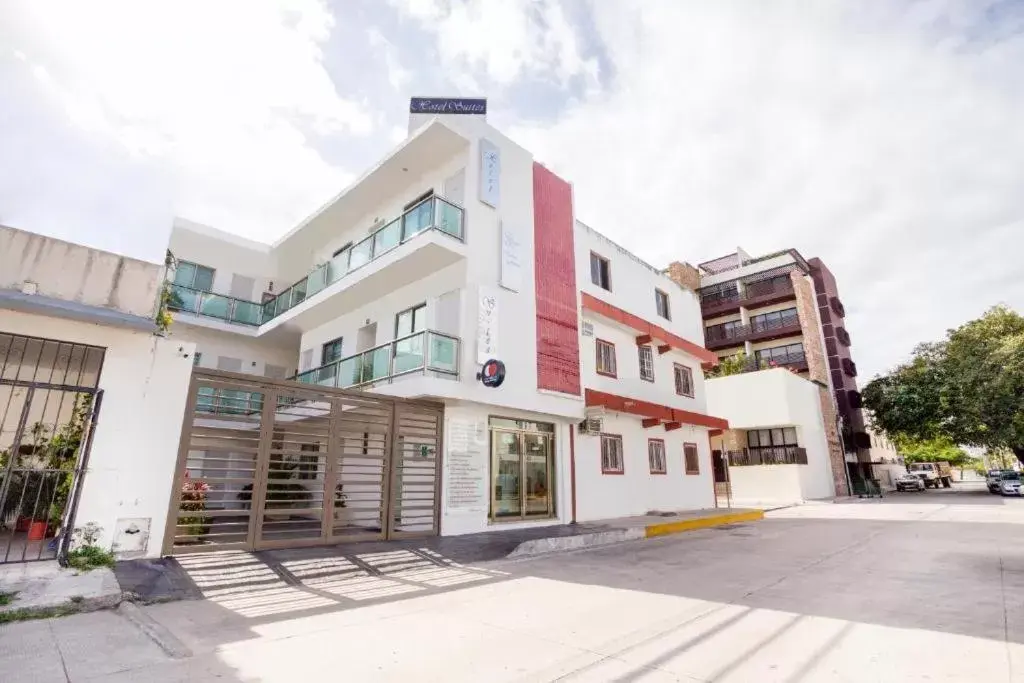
<point x="49" y="402"/>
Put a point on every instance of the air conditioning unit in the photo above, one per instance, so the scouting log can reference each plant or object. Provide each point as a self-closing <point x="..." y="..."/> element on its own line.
<point x="591" y="425"/>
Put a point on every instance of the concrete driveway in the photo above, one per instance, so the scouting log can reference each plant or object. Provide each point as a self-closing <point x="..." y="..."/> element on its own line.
<point x="915" y="587"/>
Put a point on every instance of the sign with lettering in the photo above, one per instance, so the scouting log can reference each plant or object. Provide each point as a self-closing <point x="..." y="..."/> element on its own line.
<point x="487" y="325"/>
<point x="467" y="466"/>
<point x="492" y="374"/>
<point x="511" y="273"/>
<point x="490" y="173"/>
<point x="448" y="105"/>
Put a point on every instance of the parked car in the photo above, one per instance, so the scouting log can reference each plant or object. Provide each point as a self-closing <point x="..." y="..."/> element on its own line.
<point x="909" y="482"/>
<point x="1009" y="483"/>
<point x="992" y="480"/>
<point x="933" y="474"/>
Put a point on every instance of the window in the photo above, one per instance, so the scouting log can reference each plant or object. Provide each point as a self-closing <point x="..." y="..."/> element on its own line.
<point x="767" y="438"/>
<point x="606" y="358"/>
<point x="684" y="380"/>
<point x="727" y="330"/>
<point x="600" y="271"/>
<point x="774" y="320"/>
<point x="646" y="362"/>
<point x="656" y="455"/>
<point x="522" y="469"/>
<point x="661" y="301"/>
<point x="188" y="274"/>
<point x="331" y="351"/>
<point x="691" y="459"/>
<point x="611" y="454"/>
<point x="410" y="321"/>
<point x="790" y="353"/>
<point x="339" y="251"/>
<point x="197" y="358"/>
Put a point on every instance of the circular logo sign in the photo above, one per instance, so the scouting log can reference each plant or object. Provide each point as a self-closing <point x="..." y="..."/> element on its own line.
<point x="492" y="373"/>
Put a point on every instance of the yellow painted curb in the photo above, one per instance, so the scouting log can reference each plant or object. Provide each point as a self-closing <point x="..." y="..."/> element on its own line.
<point x="703" y="522"/>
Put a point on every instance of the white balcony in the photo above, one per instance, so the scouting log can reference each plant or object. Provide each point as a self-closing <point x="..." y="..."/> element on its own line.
<point x="425" y="239"/>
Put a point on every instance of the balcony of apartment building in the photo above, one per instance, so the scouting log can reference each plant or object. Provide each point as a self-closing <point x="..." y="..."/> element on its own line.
<point x="423" y="354"/>
<point x="761" y="290"/>
<point x="763" y="327"/>
<point x="413" y="245"/>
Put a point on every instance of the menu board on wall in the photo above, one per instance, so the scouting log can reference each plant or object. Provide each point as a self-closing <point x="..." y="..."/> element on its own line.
<point x="467" y="466"/>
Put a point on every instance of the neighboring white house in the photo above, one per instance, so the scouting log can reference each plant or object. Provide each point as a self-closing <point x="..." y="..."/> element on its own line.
<point x="775" y="446"/>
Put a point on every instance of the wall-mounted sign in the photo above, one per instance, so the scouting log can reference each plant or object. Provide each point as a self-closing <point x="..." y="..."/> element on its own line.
<point x="448" y="105"/>
<point x="492" y="373"/>
<point x="587" y="329"/>
<point x="487" y="325"/>
<point x="511" y="271"/>
<point x="490" y="173"/>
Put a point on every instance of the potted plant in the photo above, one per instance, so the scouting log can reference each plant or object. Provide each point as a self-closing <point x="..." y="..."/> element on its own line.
<point x="193" y="499"/>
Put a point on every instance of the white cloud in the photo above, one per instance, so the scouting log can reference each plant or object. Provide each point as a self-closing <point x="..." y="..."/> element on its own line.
<point x="218" y="95"/>
<point x="498" y="41"/>
<point x="888" y="144"/>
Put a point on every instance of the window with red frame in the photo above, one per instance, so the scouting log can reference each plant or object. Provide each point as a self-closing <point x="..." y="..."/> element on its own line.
<point x="606" y="358"/>
<point x="656" y="455"/>
<point x="612" y="461"/>
<point x="691" y="459"/>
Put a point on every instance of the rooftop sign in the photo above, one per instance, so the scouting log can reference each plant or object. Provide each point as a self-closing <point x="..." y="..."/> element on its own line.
<point x="448" y="105"/>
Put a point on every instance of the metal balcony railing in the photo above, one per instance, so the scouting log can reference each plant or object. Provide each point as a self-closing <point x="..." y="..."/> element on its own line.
<point x="212" y="305"/>
<point x="422" y="352"/>
<point x="716" y="334"/>
<point x="752" y="292"/>
<point x="433" y="213"/>
<point x="769" y="455"/>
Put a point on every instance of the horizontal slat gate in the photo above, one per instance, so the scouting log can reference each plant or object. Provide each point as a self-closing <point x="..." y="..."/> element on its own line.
<point x="268" y="464"/>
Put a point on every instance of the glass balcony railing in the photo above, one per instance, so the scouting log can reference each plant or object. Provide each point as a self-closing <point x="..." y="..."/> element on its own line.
<point x="214" y="305"/>
<point x="433" y="213"/>
<point x="422" y="352"/>
<point x="430" y="214"/>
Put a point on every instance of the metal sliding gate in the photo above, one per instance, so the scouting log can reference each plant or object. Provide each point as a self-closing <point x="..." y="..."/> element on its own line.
<point x="272" y="464"/>
<point x="49" y="401"/>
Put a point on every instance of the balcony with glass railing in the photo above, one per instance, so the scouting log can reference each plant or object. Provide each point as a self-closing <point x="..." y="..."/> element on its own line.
<point x="426" y="353"/>
<point x="432" y="214"/>
<point x="210" y="305"/>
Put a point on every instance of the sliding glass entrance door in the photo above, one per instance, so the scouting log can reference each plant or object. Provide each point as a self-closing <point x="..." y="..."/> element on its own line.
<point x="522" y="469"/>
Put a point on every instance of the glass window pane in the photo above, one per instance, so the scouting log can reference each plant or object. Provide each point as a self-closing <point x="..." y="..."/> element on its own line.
<point x="537" y="462"/>
<point x="790" y="435"/>
<point x="419" y="318"/>
<point x="185" y="274"/>
<point x="507" y="474"/>
<point x="777" y="439"/>
<point x="204" y="279"/>
<point x="752" y="440"/>
<point x="403" y="324"/>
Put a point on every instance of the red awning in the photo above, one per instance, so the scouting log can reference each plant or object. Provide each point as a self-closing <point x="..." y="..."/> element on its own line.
<point x="653" y="413"/>
<point x="648" y="332"/>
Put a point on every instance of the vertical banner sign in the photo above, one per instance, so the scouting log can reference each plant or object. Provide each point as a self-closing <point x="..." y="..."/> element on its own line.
<point x="487" y="326"/>
<point x="490" y="173"/>
<point x="511" y="271"/>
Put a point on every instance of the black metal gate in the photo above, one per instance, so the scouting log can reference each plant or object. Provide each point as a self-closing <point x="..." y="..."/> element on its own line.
<point x="49" y="401"/>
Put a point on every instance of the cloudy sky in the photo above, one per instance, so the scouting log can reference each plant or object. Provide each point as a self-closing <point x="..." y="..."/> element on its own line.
<point x="886" y="138"/>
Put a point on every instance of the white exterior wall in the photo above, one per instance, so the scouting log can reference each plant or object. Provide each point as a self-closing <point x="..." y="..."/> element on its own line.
<point x="254" y="354"/>
<point x="457" y="521"/>
<point x="636" y="491"/>
<point x="135" y="445"/>
<point x="775" y="398"/>
<point x="228" y="255"/>
<point x="768" y="485"/>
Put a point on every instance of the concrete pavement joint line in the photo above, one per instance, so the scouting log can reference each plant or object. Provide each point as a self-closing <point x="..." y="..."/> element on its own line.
<point x="155" y="631"/>
<point x="60" y="653"/>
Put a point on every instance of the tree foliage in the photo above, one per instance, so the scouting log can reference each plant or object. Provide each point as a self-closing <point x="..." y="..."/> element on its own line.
<point x="967" y="389"/>
<point x="933" y="450"/>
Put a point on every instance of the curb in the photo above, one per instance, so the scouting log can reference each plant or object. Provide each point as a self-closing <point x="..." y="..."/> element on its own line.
<point x="543" y="546"/>
<point x="667" y="528"/>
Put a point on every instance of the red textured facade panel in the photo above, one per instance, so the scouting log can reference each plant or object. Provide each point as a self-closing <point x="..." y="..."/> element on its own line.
<point x="554" y="253"/>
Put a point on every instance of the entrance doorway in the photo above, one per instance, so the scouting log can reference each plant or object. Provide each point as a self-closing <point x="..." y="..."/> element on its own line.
<point x="522" y="470"/>
<point x="49" y="401"/>
<point x="277" y="464"/>
<point x="723" y="489"/>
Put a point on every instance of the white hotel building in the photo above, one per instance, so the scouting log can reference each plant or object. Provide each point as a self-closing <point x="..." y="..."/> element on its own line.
<point x="455" y="249"/>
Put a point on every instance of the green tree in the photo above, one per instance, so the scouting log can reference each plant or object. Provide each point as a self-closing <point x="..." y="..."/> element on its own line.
<point x="933" y="450"/>
<point x="967" y="389"/>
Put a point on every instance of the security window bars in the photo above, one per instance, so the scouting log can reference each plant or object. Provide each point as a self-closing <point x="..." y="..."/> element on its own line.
<point x="606" y="358"/>
<point x="656" y="456"/>
<point x="684" y="380"/>
<point x="646" y="363"/>
<point x="691" y="459"/>
<point x="612" y="461"/>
